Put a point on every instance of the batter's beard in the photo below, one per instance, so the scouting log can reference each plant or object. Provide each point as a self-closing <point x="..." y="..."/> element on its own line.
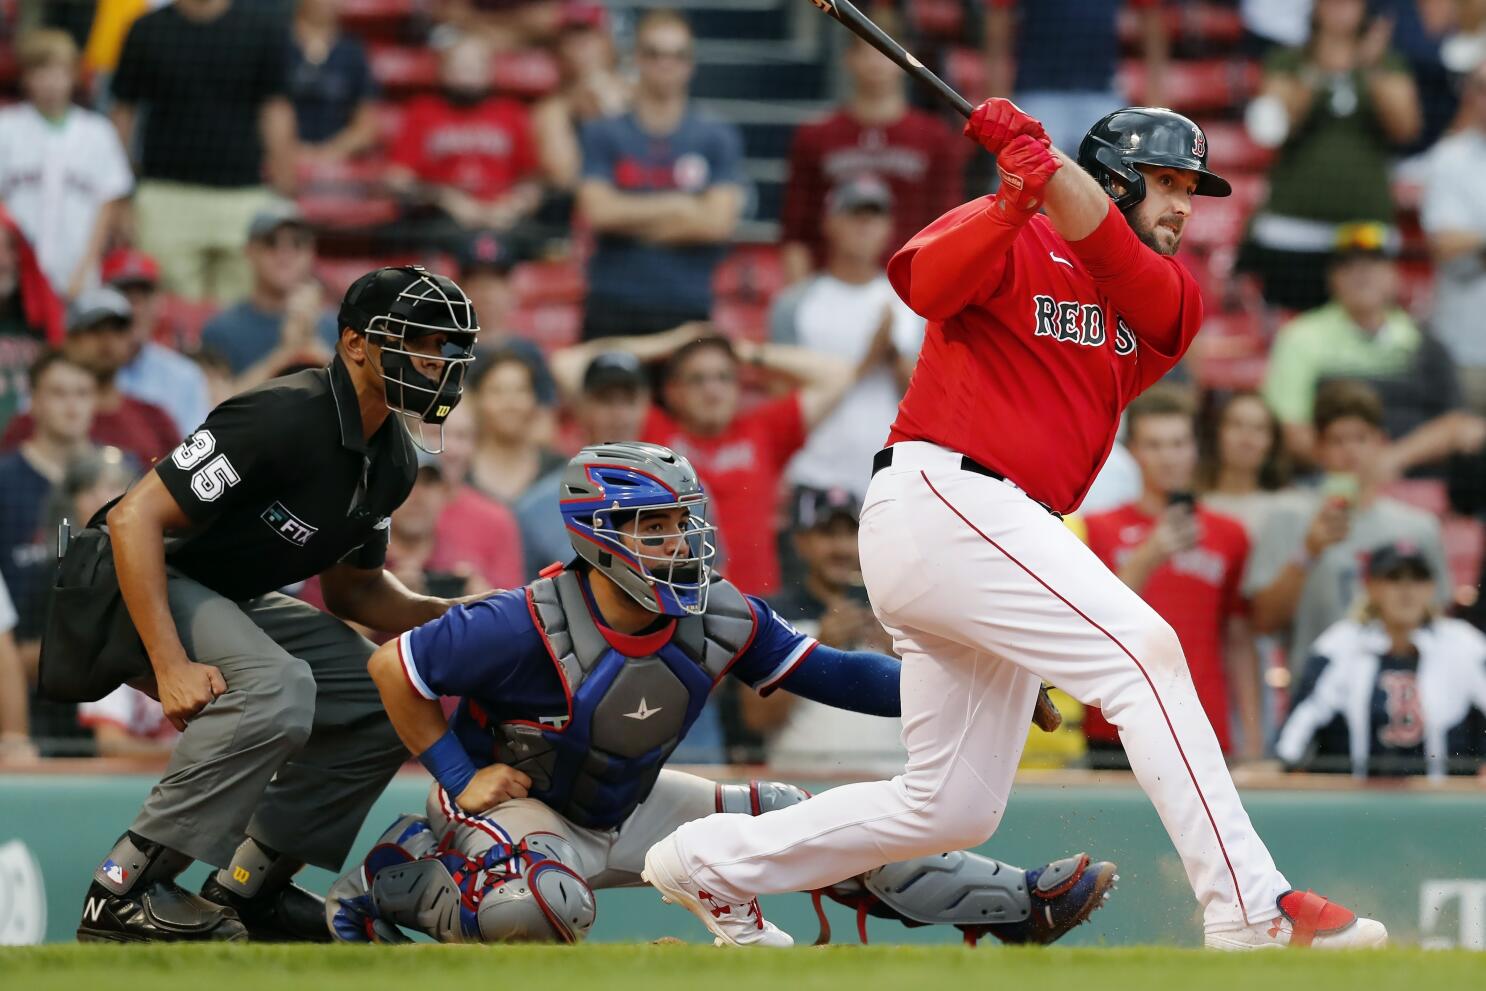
<point x="1147" y="236"/>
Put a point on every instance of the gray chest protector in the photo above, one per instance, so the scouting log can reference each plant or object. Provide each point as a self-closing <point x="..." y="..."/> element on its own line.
<point x="626" y="711"/>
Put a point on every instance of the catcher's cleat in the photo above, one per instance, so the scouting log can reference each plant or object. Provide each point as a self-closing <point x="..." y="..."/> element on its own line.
<point x="1305" y="919"/>
<point x="158" y="912"/>
<point x="1064" y="894"/>
<point x="288" y="915"/>
<point x="731" y="924"/>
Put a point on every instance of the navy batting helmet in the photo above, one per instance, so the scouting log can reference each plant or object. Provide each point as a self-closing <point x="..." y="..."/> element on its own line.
<point x="1145" y="136"/>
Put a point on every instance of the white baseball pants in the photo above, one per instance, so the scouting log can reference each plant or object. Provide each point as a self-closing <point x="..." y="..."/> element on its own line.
<point x="986" y="594"/>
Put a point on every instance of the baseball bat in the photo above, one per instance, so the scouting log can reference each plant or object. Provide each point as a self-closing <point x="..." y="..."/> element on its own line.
<point x="861" y="25"/>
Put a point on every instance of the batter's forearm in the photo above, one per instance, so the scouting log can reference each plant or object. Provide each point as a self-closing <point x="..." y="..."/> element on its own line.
<point x="1075" y="203"/>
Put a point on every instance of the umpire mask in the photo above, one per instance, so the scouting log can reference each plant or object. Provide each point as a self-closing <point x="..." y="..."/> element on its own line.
<point x="403" y="310"/>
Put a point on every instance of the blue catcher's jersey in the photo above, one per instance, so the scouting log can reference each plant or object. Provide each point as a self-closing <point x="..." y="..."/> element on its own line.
<point x="592" y="736"/>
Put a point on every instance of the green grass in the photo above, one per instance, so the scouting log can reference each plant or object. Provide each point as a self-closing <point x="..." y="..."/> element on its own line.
<point x="614" y="967"/>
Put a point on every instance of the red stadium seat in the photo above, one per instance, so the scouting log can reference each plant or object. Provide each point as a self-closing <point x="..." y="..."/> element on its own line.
<point x="1230" y="149"/>
<point x="404" y="70"/>
<point x="938" y="20"/>
<point x="376" y="18"/>
<point x="1464" y="544"/>
<point x="742" y="320"/>
<point x="749" y="272"/>
<point x="335" y="274"/>
<point x="1195" y="86"/>
<point x="526" y="75"/>
<point x="1428" y="494"/>
<point x="348" y="211"/>
<point x="357" y="173"/>
<point x="538" y="283"/>
<point x="551" y="325"/>
<point x="965" y="70"/>
<point x="1231" y="351"/>
<point x="1218" y="222"/>
<point x="181" y="321"/>
<point x="1209" y="24"/>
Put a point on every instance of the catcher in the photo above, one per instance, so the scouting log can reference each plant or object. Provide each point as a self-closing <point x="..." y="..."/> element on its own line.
<point x="550" y="779"/>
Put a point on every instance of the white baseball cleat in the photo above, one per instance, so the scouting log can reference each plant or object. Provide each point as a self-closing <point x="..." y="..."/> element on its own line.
<point x="731" y="924"/>
<point x="1306" y="919"/>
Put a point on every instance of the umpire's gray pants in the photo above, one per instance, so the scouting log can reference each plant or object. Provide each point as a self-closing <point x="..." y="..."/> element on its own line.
<point x="296" y="750"/>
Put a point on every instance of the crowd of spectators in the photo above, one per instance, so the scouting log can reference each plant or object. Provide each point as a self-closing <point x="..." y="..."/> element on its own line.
<point x="1307" y="522"/>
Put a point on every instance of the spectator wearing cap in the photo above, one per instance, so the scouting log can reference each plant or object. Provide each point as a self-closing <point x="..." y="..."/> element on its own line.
<point x="1395" y="688"/>
<point x="485" y="264"/>
<point x="99" y="339"/>
<point x="213" y="126"/>
<point x="1336" y="109"/>
<point x="873" y="132"/>
<point x="155" y="373"/>
<point x="284" y="319"/>
<point x="63" y="173"/>
<point x="1359" y="333"/>
<point x="330" y="84"/>
<point x="31" y="316"/>
<point x="610" y="405"/>
<point x="64" y="395"/>
<point x="849" y="310"/>
<point x="1303" y="572"/>
<point x="1453" y="214"/>
<point x="662" y="190"/>
<point x="464" y="158"/>
<point x="830" y="604"/>
<point x="591" y="89"/>
<point x="439" y="548"/>
<point x="511" y="428"/>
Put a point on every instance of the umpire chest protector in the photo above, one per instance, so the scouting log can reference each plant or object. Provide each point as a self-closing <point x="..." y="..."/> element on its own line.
<point x="631" y="700"/>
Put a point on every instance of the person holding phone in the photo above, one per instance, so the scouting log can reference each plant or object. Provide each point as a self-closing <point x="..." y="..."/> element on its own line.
<point x="1304" y="573"/>
<point x="1187" y="562"/>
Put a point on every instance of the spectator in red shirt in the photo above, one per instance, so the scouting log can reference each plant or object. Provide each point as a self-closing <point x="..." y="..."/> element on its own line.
<point x="874" y="132"/>
<point x="739" y="454"/>
<point x="99" y="339"/>
<point x="465" y="153"/>
<point x="1187" y="563"/>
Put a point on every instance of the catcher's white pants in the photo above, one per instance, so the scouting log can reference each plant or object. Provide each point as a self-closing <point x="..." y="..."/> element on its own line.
<point x="986" y="594"/>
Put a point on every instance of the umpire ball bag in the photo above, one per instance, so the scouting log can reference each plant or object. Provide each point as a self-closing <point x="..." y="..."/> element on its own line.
<point x="90" y="646"/>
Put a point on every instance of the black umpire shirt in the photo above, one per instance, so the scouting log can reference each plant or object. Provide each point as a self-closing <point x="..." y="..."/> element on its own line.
<point x="280" y="484"/>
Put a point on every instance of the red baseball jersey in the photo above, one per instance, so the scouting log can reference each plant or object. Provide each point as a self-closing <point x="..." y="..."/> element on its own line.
<point x="920" y="159"/>
<point x="1035" y="343"/>
<point x="1196" y="591"/>
<point x="483" y="150"/>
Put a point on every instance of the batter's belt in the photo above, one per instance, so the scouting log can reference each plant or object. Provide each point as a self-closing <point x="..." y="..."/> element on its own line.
<point x="884" y="459"/>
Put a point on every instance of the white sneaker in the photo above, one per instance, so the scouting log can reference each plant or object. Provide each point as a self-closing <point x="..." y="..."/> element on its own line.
<point x="1306" y="919"/>
<point x="731" y="924"/>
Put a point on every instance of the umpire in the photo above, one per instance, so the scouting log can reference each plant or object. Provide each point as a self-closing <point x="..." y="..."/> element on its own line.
<point x="285" y="744"/>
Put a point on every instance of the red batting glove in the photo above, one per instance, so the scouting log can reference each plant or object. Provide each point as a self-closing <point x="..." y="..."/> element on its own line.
<point x="1026" y="165"/>
<point x="996" y="121"/>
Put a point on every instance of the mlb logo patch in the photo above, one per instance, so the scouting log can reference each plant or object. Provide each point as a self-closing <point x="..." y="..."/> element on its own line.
<point x="114" y="872"/>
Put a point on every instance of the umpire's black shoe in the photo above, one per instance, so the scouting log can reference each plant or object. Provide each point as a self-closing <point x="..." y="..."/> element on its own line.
<point x="288" y="915"/>
<point x="160" y="912"/>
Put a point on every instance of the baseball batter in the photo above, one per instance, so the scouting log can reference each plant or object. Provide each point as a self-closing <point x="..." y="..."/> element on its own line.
<point x="1042" y="329"/>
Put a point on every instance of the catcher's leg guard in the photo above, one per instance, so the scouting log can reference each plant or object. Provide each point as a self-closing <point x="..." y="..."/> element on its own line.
<point x="758" y="797"/>
<point x="978" y="895"/>
<point x="539" y="898"/>
<point x="350" y="911"/>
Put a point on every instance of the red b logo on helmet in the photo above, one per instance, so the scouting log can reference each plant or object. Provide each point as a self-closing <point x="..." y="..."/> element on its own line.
<point x="1199" y="145"/>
